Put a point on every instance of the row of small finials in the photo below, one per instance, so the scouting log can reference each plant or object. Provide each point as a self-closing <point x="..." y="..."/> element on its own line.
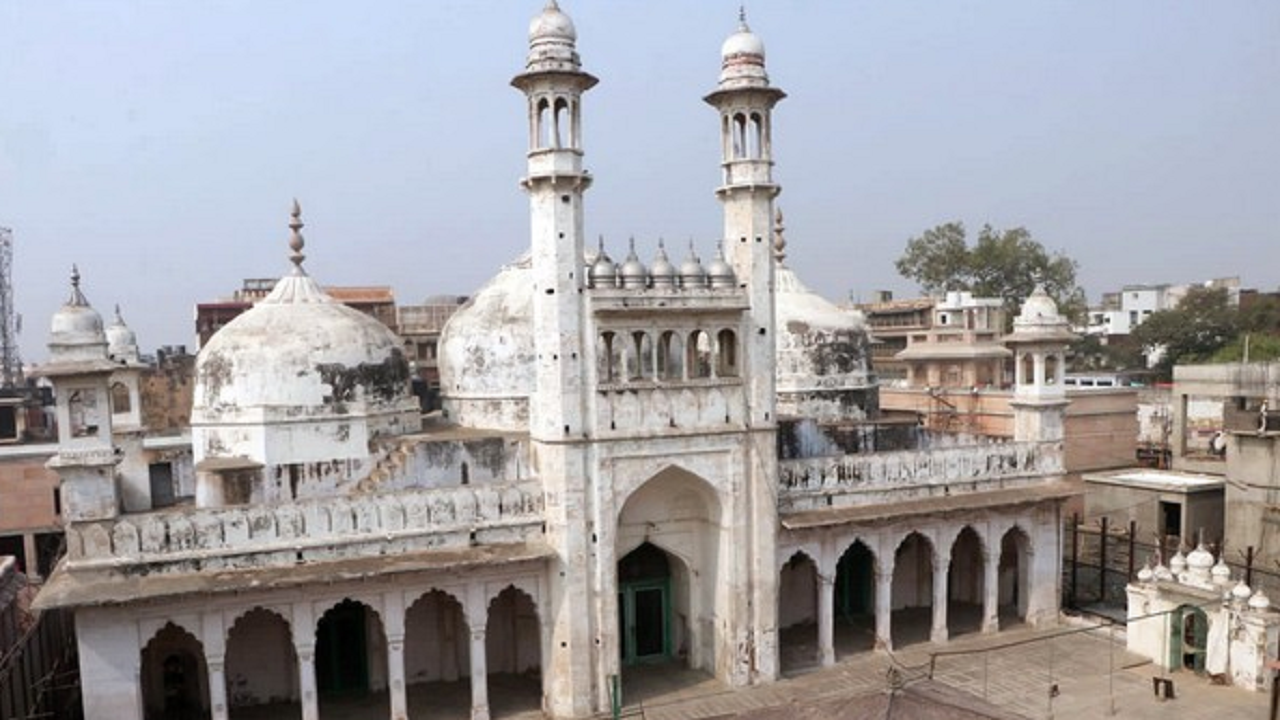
<point x="631" y="273"/>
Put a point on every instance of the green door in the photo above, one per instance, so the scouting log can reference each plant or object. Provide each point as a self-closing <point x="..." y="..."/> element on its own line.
<point x="644" y="605"/>
<point x="1188" y="638"/>
<point x="645" y="614"/>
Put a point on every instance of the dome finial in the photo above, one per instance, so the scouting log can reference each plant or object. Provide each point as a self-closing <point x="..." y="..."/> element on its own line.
<point x="296" y="243"/>
<point x="779" y="241"/>
<point x="742" y="18"/>
<point x="119" y="317"/>
<point x="551" y="5"/>
<point x="77" y="298"/>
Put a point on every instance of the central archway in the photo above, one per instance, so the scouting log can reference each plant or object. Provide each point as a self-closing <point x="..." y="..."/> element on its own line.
<point x="668" y="550"/>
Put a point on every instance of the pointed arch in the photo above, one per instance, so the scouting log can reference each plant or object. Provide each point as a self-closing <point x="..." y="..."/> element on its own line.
<point x="261" y="663"/>
<point x="1013" y="576"/>
<point x="174" y="674"/>
<point x="798" y="588"/>
<point x="966" y="582"/>
<point x="911" y="599"/>
<point x="854" y="603"/>
<point x="436" y="647"/>
<point x="513" y="647"/>
<point x="351" y="654"/>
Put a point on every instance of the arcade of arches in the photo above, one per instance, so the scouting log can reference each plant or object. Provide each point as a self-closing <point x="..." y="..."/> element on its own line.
<point x="843" y="592"/>
<point x="431" y="651"/>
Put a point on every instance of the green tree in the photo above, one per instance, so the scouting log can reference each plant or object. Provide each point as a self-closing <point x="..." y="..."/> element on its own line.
<point x="1007" y="264"/>
<point x="1202" y="323"/>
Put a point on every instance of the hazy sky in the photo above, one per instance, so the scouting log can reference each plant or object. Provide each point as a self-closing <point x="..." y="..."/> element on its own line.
<point x="158" y="144"/>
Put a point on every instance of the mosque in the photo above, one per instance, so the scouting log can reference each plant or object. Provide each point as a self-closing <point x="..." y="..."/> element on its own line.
<point x="635" y="465"/>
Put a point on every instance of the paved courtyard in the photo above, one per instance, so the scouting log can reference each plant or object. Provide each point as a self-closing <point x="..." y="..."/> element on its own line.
<point x="1016" y="670"/>
<point x="1091" y="675"/>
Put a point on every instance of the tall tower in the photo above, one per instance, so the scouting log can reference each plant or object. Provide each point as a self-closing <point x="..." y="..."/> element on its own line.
<point x="1039" y="339"/>
<point x="745" y="100"/>
<point x="80" y="371"/>
<point x="553" y="82"/>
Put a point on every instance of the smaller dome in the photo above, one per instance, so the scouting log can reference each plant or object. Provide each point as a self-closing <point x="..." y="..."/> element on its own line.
<point x="1162" y="573"/>
<point x="604" y="274"/>
<point x="742" y="42"/>
<point x="122" y="343"/>
<point x="719" y="271"/>
<point x="691" y="273"/>
<point x="552" y="24"/>
<point x="1259" y="601"/>
<point x="1038" y="306"/>
<point x="1221" y="573"/>
<point x="632" y="273"/>
<point x="1200" y="559"/>
<point x="1178" y="563"/>
<point x="662" y="272"/>
<point x="1241" y="591"/>
<point x="1146" y="574"/>
<point x="75" y="332"/>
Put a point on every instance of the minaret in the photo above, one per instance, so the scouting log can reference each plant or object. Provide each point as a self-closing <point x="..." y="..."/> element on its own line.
<point x="553" y="82"/>
<point x="80" y="372"/>
<point x="745" y="102"/>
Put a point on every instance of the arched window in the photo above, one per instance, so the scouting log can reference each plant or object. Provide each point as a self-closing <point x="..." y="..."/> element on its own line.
<point x="670" y="357"/>
<point x="642" y="369"/>
<point x="698" y="357"/>
<point x="561" y="122"/>
<point x="604" y="358"/>
<point x="755" y="138"/>
<point x="542" y="128"/>
<point x="727" y="353"/>
<point x="739" y="136"/>
<point x="120" y="401"/>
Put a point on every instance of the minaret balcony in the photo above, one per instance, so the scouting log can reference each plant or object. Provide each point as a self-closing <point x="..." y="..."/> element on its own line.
<point x="748" y="172"/>
<point x="555" y="162"/>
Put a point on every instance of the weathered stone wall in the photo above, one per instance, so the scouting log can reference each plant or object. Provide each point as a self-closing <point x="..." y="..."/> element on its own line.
<point x="896" y="476"/>
<point x="192" y="540"/>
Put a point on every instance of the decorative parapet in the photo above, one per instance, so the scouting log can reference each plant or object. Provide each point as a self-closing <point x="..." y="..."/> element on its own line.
<point x="848" y="480"/>
<point x="193" y="540"/>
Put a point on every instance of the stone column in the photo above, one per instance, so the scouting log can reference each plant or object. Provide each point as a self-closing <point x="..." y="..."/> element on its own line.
<point x="884" y="609"/>
<point x="939" y="632"/>
<point x="217" y="686"/>
<point x="479" y="675"/>
<point x="307" y="682"/>
<point x="32" y="565"/>
<point x="990" y="592"/>
<point x="1018" y="378"/>
<point x="1038" y="380"/>
<point x="395" y="677"/>
<point x="826" y="616"/>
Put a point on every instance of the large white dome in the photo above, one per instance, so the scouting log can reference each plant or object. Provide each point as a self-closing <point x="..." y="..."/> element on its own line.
<point x="823" y="358"/>
<point x="299" y="351"/>
<point x="487" y="354"/>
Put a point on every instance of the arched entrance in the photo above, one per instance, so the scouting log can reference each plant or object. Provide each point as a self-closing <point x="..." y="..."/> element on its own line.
<point x="798" y="613"/>
<point x="351" y="660"/>
<point x="1188" y="638"/>
<point x="1015" y="560"/>
<point x="912" y="597"/>
<point x="855" y="600"/>
<point x="437" y="657"/>
<point x="174" y="676"/>
<point x="513" y="653"/>
<point x="261" y="668"/>
<point x="645" y="625"/>
<point x="966" y="578"/>
<point x="669" y="600"/>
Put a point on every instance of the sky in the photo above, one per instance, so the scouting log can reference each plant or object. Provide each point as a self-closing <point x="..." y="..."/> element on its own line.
<point x="158" y="144"/>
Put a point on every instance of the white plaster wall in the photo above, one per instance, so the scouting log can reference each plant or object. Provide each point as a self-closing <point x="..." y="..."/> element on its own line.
<point x="436" y="640"/>
<point x="109" y="664"/>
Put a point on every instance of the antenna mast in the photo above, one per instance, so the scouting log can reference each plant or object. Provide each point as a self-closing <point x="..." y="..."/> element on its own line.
<point x="10" y="358"/>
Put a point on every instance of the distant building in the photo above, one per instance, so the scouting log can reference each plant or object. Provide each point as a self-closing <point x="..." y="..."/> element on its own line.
<point x="1120" y="312"/>
<point x="891" y="323"/>
<point x="961" y="348"/>
<point x="378" y="301"/>
<point x="420" y="327"/>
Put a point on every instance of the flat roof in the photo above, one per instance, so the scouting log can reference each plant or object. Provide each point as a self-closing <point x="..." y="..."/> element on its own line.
<point x="1167" y="480"/>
